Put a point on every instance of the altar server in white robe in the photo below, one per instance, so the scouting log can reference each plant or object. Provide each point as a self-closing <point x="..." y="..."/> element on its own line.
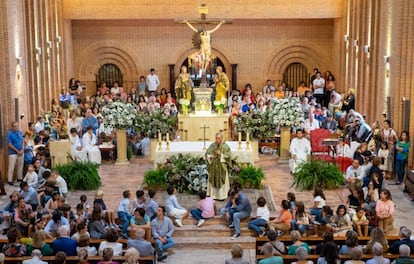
<point x="300" y="150"/>
<point x="89" y="143"/>
<point x="78" y="152"/>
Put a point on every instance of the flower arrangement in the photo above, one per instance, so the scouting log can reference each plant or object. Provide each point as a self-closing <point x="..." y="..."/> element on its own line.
<point x="156" y="121"/>
<point x="184" y="102"/>
<point x="287" y="112"/>
<point x="119" y="115"/>
<point x="259" y="124"/>
<point x="220" y="104"/>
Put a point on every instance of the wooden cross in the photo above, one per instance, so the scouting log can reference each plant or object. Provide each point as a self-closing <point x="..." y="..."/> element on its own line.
<point x="204" y="136"/>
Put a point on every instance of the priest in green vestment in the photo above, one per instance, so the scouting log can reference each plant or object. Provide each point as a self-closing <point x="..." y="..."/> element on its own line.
<point x="218" y="156"/>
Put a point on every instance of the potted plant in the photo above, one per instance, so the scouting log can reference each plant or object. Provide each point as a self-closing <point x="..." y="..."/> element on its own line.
<point x="250" y="177"/>
<point x="80" y="175"/>
<point x="156" y="179"/>
<point x="314" y="173"/>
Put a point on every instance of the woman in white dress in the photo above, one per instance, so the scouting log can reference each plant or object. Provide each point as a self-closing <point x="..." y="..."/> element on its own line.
<point x="89" y="142"/>
<point x="74" y="122"/>
<point x="78" y="152"/>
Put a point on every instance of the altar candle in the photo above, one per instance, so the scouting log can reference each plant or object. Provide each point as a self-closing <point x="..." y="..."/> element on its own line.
<point x="239" y="136"/>
<point x="159" y="136"/>
<point x="168" y="137"/>
<point x="247" y="136"/>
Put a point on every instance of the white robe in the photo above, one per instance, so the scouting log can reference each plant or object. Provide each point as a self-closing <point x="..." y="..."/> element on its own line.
<point x="79" y="155"/>
<point x="302" y="149"/>
<point x="89" y="142"/>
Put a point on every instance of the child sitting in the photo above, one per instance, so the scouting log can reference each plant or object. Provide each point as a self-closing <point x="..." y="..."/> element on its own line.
<point x="123" y="211"/>
<point x="262" y="217"/>
<point x="205" y="208"/>
<point x="173" y="208"/>
<point x="106" y="213"/>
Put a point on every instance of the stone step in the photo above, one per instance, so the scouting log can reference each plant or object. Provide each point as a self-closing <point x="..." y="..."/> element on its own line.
<point x="197" y="242"/>
<point x="216" y="220"/>
<point x="209" y="231"/>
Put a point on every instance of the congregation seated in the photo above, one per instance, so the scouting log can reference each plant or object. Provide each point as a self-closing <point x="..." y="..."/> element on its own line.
<point x="83" y="244"/>
<point x="377" y="252"/>
<point x="267" y="250"/>
<point x="301" y="256"/>
<point x="404" y="257"/>
<point x="236" y="256"/>
<point x="111" y="242"/>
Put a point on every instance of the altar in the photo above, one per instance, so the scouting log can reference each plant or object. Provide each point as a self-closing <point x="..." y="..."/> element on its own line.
<point x="191" y="127"/>
<point x="243" y="155"/>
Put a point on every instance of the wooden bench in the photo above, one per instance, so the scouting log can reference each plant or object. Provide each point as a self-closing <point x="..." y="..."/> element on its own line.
<point x="314" y="241"/>
<point x="314" y="257"/>
<point x="73" y="259"/>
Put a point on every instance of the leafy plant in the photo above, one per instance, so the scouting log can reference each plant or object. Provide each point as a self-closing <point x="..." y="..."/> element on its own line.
<point x="80" y="175"/>
<point x="156" y="179"/>
<point x="250" y="177"/>
<point x="317" y="173"/>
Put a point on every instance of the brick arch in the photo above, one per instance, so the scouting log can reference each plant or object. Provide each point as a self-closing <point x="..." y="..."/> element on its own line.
<point x="185" y="53"/>
<point x="309" y="55"/>
<point x="97" y="54"/>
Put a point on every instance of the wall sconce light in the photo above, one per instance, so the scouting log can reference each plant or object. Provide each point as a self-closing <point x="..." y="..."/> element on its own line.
<point x="355" y="43"/>
<point x="19" y="61"/>
<point x="38" y="51"/>
<point x="346" y="38"/>
<point x="366" y="48"/>
<point x="59" y="39"/>
<point x="21" y="116"/>
<point x="386" y="59"/>
<point x="49" y="44"/>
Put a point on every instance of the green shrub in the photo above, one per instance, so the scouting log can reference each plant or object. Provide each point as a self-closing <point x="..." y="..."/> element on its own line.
<point x="317" y="173"/>
<point x="250" y="177"/>
<point x="80" y="175"/>
<point x="156" y="179"/>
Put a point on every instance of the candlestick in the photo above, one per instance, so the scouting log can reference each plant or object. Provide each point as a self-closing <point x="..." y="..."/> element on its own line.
<point x="239" y="136"/>
<point x="247" y="136"/>
<point x="168" y="137"/>
<point x="159" y="136"/>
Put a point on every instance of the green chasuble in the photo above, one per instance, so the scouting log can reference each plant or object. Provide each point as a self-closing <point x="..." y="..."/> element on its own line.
<point x="218" y="165"/>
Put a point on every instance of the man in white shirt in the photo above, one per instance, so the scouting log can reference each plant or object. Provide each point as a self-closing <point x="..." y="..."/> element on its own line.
<point x="310" y="124"/>
<point x="318" y="88"/>
<point x="152" y="82"/>
<point x="354" y="174"/>
<point x="300" y="150"/>
<point x="268" y="85"/>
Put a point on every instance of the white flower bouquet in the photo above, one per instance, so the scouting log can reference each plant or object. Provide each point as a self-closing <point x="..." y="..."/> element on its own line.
<point x="287" y="112"/>
<point x="220" y="104"/>
<point x="119" y="115"/>
<point x="184" y="102"/>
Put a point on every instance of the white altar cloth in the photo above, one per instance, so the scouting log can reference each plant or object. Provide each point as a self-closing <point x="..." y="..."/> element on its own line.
<point x="196" y="148"/>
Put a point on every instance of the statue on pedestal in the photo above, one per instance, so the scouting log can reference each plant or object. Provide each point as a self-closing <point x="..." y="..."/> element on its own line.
<point x="222" y="84"/>
<point x="183" y="85"/>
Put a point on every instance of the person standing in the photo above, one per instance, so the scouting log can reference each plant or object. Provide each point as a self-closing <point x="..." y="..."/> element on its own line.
<point x="152" y="82"/>
<point x="16" y="151"/>
<point x="218" y="156"/>
<point x="300" y="150"/>
<point x="401" y="156"/>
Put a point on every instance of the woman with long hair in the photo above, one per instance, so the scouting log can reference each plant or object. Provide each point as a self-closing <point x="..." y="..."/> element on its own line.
<point x="385" y="211"/>
<point x="401" y="156"/>
<point x="39" y="243"/>
<point x="377" y="235"/>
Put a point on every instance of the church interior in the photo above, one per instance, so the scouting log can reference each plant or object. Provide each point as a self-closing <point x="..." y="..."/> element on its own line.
<point x="367" y="45"/>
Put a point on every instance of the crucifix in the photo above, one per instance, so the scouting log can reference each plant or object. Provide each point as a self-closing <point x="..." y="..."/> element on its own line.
<point x="204" y="127"/>
<point x="202" y="39"/>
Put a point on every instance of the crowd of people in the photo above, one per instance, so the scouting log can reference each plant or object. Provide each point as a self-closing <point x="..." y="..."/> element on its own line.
<point x="39" y="209"/>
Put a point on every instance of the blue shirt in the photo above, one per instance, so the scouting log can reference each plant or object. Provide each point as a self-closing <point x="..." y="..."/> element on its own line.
<point x="152" y="207"/>
<point x="53" y="227"/>
<point x="66" y="245"/>
<point x="92" y="122"/>
<point x="242" y="202"/>
<point x="162" y="228"/>
<point x="30" y="196"/>
<point x="16" y="139"/>
<point x="172" y="203"/>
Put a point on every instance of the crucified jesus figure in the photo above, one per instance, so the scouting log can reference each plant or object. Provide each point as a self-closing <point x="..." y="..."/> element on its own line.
<point x="203" y="44"/>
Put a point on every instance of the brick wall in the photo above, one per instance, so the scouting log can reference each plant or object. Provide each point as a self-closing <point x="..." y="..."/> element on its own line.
<point x="262" y="52"/>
